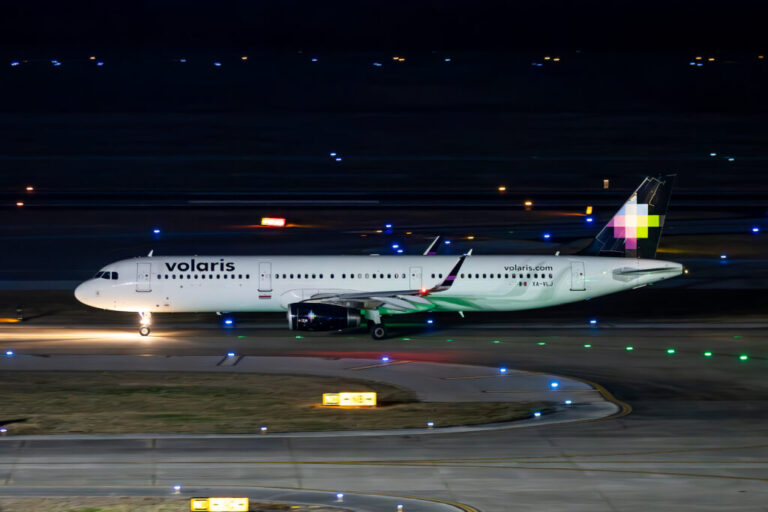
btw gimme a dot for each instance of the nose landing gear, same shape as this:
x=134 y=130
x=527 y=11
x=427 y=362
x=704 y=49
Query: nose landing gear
x=145 y=318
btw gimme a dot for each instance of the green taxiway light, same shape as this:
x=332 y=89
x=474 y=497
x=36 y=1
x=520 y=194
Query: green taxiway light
x=299 y=337
x=496 y=341
x=587 y=345
x=707 y=354
x=542 y=343
x=406 y=339
x=670 y=351
x=743 y=357
x=447 y=341
x=629 y=347
x=241 y=336
x=737 y=337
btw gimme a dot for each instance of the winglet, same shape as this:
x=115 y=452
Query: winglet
x=429 y=251
x=150 y=253
x=451 y=277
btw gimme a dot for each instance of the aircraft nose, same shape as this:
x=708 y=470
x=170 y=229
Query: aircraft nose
x=81 y=292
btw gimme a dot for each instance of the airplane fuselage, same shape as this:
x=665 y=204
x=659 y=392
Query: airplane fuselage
x=174 y=284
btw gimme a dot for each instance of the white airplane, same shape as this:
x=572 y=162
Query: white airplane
x=324 y=293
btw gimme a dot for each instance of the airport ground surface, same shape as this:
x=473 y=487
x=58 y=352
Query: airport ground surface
x=695 y=440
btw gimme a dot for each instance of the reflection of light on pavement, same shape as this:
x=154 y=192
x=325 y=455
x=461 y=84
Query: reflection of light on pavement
x=70 y=334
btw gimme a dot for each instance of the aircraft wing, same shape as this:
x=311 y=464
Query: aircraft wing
x=395 y=300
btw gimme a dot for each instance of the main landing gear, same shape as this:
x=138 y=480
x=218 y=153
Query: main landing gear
x=378 y=331
x=375 y=325
x=145 y=318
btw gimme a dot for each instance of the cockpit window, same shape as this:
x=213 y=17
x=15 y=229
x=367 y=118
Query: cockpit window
x=98 y=275
x=114 y=275
x=105 y=275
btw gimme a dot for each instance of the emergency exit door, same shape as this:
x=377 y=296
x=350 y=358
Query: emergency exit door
x=578 y=283
x=415 y=283
x=143 y=277
x=265 y=277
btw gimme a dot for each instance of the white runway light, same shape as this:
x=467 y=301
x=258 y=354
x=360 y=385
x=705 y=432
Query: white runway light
x=263 y=429
x=554 y=384
x=9 y=353
x=537 y=414
x=339 y=496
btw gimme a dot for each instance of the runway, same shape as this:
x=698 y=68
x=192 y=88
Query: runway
x=695 y=440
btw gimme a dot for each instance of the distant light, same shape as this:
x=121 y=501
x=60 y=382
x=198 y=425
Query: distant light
x=230 y=354
x=547 y=236
x=593 y=321
x=723 y=256
x=528 y=204
x=92 y=57
x=217 y=64
x=332 y=153
x=156 y=231
x=15 y=63
x=691 y=63
x=100 y=63
x=587 y=345
x=399 y=251
x=430 y=321
x=338 y=159
x=606 y=184
x=713 y=154
x=629 y=348
x=743 y=357
x=589 y=210
x=537 y=414
x=502 y=188
x=568 y=402
x=340 y=496
x=731 y=159
x=502 y=370
x=447 y=242
x=395 y=246
x=547 y=58
x=182 y=60
x=430 y=424
x=447 y=59
x=755 y=229
x=470 y=237
x=556 y=59
x=384 y=359
x=711 y=59
x=699 y=64
x=244 y=57
x=275 y=222
x=3 y=430
x=590 y=219
x=228 y=321
x=671 y=351
x=9 y=353
x=177 y=488
x=263 y=429
x=388 y=226
x=554 y=384
x=56 y=63
x=698 y=58
x=314 y=59
x=377 y=64
x=541 y=343
x=19 y=203
x=707 y=354
x=29 y=188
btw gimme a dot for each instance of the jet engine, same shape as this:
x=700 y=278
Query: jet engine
x=308 y=316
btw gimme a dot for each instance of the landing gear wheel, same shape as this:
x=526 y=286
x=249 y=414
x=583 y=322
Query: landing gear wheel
x=144 y=331
x=379 y=331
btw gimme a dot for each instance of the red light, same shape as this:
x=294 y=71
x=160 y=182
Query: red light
x=275 y=222
x=424 y=291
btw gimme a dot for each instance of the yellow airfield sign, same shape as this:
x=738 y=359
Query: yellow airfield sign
x=219 y=505
x=350 y=399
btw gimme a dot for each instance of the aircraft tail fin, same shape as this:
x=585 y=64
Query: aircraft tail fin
x=635 y=230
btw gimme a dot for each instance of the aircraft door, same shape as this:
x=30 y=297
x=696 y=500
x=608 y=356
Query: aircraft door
x=415 y=283
x=265 y=277
x=143 y=277
x=578 y=283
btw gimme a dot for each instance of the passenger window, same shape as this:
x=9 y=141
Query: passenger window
x=321 y=276
x=331 y=276
x=550 y=276
x=225 y=276
x=484 y=276
x=202 y=276
x=173 y=276
x=343 y=276
x=277 y=276
x=477 y=276
x=360 y=276
x=313 y=276
x=351 y=276
x=367 y=276
x=218 y=276
x=433 y=275
x=247 y=276
x=196 y=276
x=506 y=276
x=528 y=276
x=374 y=276
x=535 y=276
